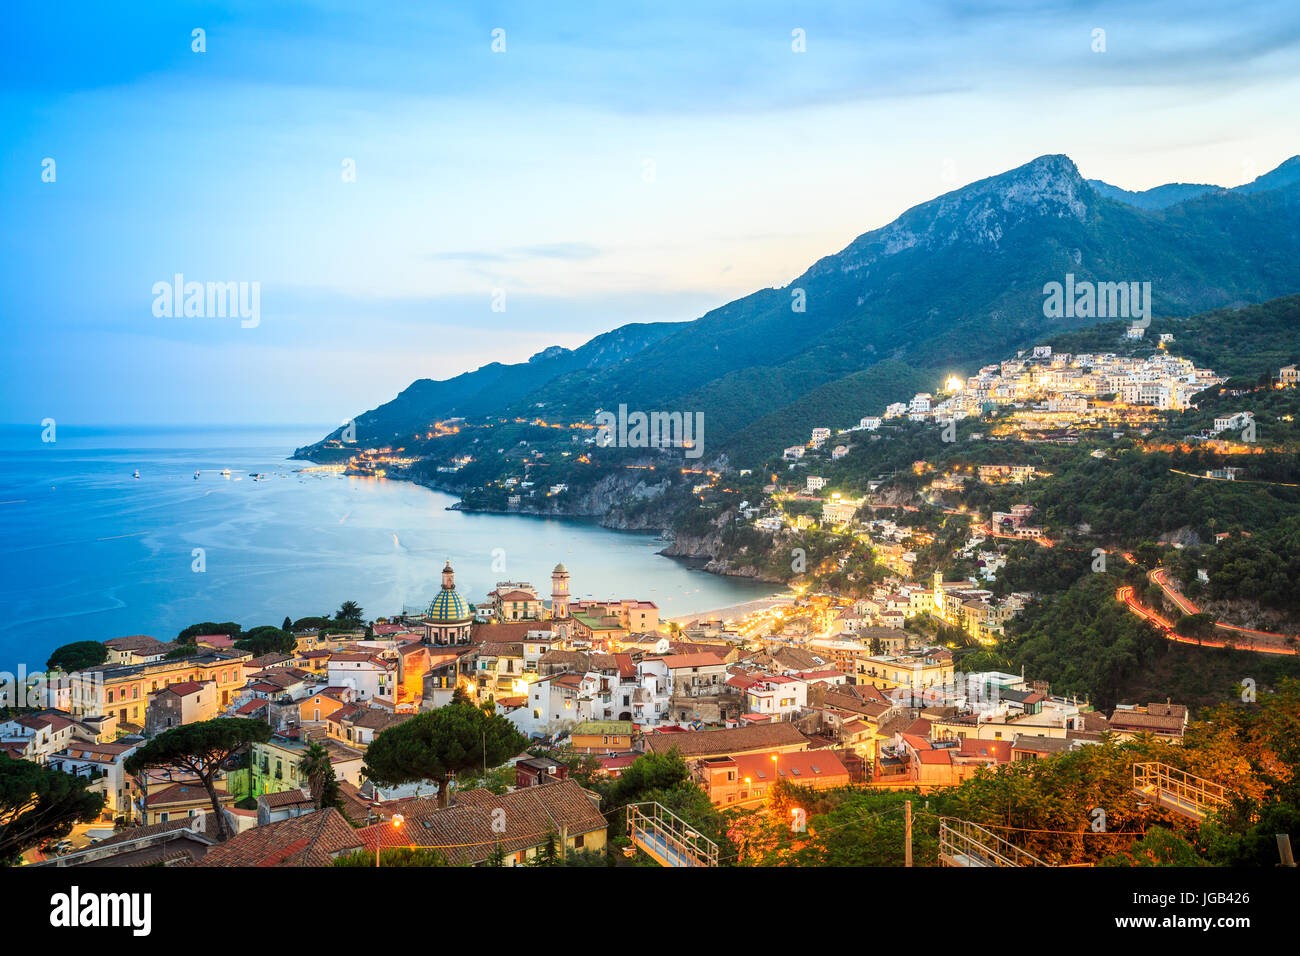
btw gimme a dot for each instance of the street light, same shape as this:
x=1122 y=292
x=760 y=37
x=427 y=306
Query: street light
x=398 y=820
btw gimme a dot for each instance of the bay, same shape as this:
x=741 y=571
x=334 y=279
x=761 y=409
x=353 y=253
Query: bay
x=89 y=552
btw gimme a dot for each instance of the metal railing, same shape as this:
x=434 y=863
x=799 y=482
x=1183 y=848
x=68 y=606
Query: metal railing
x=962 y=843
x=668 y=838
x=1179 y=790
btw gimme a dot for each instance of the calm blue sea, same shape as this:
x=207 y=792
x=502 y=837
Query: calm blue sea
x=89 y=552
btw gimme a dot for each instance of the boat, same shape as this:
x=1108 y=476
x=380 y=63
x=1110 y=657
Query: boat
x=225 y=472
x=137 y=473
x=196 y=476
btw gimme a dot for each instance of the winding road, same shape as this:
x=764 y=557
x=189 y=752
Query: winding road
x=1242 y=638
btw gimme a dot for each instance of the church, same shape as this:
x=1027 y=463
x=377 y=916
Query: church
x=448 y=620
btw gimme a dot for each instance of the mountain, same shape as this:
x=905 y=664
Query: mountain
x=493 y=388
x=1160 y=197
x=950 y=285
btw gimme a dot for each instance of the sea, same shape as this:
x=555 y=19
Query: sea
x=111 y=531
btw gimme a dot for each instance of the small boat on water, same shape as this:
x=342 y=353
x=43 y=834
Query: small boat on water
x=196 y=476
x=137 y=473
x=225 y=472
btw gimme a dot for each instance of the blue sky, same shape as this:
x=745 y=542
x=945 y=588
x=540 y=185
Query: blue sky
x=527 y=171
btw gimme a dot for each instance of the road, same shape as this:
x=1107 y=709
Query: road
x=1275 y=643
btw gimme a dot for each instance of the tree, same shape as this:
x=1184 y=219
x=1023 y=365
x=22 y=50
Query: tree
x=318 y=770
x=548 y=854
x=267 y=639
x=39 y=804
x=77 y=656
x=654 y=771
x=440 y=744
x=202 y=749
x=1159 y=847
x=288 y=623
x=349 y=611
x=229 y=628
x=396 y=856
x=1199 y=626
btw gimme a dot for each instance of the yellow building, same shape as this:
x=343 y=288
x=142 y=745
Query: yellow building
x=124 y=690
x=601 y=736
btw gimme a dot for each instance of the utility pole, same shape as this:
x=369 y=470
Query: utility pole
x=907 y=832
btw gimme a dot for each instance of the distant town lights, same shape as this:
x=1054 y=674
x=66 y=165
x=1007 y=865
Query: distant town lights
x=953 y=384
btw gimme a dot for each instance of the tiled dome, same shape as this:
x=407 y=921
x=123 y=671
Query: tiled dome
x=448 y=607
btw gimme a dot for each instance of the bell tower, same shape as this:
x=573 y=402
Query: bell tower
x=560 y=593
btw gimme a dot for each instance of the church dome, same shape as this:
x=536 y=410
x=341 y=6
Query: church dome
x=448 y=607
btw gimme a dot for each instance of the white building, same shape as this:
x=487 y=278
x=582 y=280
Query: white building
x=368 y=676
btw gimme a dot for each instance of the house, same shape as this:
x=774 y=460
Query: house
x=137 y=649
x=220 y=642
x=1026 y=747
x=601 y=736
x=695 y=675
x=556 y=704
x=39 y=735
x=359 y=725
x=499 y=669
x=781 y=737
x=103 y=762
x=274 y=807
x=367 y=674
x=310 y=839
x=513 y=601
x=124 y=689
x=319 y=705
x=180 y=801
x=535 y=771
x=775 y=697
x=741 y=778
x=182 y=703
x=173 y=843
x=274 y=763
x=1166 y=721
x=520 y=822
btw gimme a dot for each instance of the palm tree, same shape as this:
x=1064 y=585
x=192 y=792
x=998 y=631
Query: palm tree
x=349 y=611
x=317 y=769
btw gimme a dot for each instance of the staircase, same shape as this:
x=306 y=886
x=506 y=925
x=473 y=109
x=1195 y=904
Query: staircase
x=962 y=843
x=667 y=838
x=1183 y=793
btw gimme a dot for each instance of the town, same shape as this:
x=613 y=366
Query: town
x=806 y=692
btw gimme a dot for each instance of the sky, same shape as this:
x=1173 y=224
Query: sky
x=412 y=202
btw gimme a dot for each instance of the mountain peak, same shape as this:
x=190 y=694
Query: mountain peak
x=979 y=214
x=548 y=353
x=1285 y=174
x=1050 y=164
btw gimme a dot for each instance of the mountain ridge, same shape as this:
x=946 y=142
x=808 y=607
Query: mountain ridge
x=954 y=280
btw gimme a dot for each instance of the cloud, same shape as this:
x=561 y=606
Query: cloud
x=570 y=251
